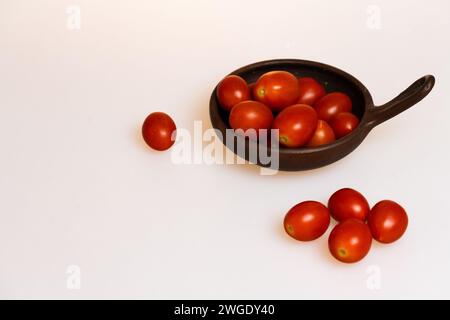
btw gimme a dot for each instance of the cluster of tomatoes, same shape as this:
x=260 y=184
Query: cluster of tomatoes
x=299 y=108
x=305 y=115
x=351 y=239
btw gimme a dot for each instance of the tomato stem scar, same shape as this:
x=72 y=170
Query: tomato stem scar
x=283 y=139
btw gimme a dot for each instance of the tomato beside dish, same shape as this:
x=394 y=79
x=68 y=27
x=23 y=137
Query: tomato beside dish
x=387 y=221
x=159 y=131
x=350 y=241
x=307 y=220
x=347 y=204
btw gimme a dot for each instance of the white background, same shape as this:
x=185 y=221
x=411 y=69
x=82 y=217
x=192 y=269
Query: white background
x=79 y=187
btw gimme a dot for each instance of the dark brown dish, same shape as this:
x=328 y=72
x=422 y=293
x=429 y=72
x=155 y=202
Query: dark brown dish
x=305 y=158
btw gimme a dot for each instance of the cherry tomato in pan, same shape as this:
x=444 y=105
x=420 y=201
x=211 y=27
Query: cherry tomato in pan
x=277 y=90
x=232 y=90
x=310 y=91
x=307 y=220
x=250 y=115
x=350 y=241
x=348 y=204
x=157 y=131
x=323 y=135
x=332 y=104
x=387 y=221
x=296 y=125
x=344 y=123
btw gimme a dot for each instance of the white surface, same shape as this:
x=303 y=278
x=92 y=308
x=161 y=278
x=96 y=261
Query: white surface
x=79 y=187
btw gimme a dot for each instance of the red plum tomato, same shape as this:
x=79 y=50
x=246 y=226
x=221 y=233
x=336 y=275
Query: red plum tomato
x=344 y=123
x=277 y=90
x=307 y=220
x=348 y=204
x=232 y=90
x=324 y=134
x=332 y=104
x=350 y=241
x=309 y=91
x=250 y=115
x=387 y=221
x=296 y=125
x=157 y=131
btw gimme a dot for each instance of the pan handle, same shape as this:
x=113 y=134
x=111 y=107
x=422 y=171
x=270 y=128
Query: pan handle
x=409 y=97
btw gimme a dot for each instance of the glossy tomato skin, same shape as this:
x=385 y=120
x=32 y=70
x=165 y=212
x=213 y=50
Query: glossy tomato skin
x=344 y=123
x=232 y=90
x=307 y=221
x=296 y=125
x=347 y=204
x=157 y=131
x=324 y=134
x=310 y=91
x=387 y=221
x=277 y=90
x=250 y=115
x=332 y=104
x=350 y=241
